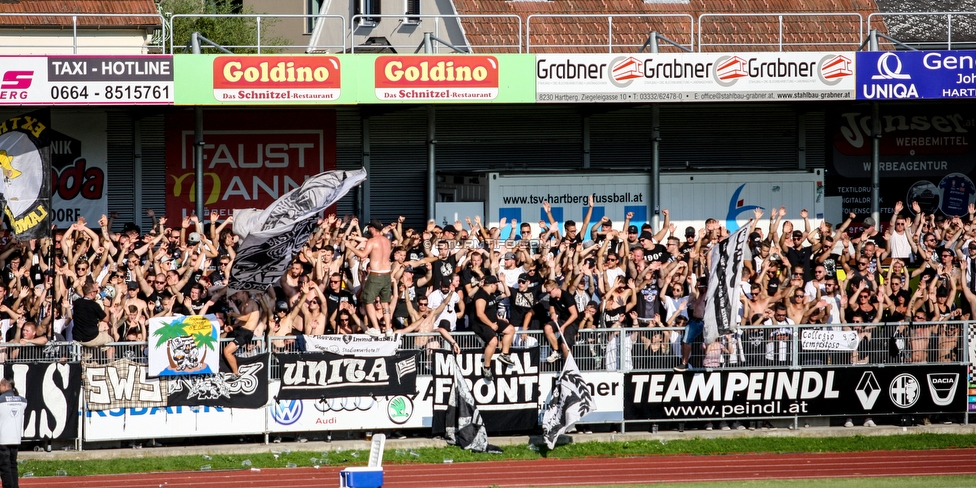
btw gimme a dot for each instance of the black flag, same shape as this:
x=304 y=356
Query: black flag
x=25 y=163
x=571 y=401
x=464 y=426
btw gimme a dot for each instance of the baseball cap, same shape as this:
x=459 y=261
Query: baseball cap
x=408 y=269
x=281 y=306
x=450 y=228
x=689 y=231
x=797 y=233
x=193 y=238
x=632 y=229
x=132 y=285
x=491 y=279
x=869 y=222
x=510 y=255
x=130 y=227
x=646 y=235
x=524 y=277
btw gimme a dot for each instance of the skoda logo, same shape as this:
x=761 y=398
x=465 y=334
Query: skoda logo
x=400 y=409
x=348 y=404
x=904 y=390
x=286 y=412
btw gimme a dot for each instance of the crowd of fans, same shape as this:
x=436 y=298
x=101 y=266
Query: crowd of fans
x=901 y=289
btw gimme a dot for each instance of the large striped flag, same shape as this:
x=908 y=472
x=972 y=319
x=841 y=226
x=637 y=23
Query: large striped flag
x=463 y=424
x=271 y=237
x=724 y=273
x=25 y=163
x=571 y=400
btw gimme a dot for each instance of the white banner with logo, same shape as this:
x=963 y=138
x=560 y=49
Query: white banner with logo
x=168 y=422
x=353 y=413
x=606 y=393
x=360 y=345
x=694 y=77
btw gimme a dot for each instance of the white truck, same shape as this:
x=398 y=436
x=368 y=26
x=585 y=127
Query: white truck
x=690 y=197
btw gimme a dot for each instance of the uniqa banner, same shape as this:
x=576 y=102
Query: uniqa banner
x=183 y=345
x=326 y=375
x=52 y=398
x=25 y=163
x=123 y=383
x=223 y=389
x=510 y=402
x=892 y=390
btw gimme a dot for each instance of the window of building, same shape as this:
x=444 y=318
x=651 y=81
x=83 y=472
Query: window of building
x=367 y=8
x=411 y=10
x=312 y=8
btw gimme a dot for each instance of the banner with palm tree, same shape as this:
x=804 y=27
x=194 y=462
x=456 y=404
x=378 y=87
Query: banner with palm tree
x=183 y=345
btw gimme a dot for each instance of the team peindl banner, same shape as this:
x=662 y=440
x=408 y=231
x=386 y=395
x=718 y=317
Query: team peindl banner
x=694 y=77
x=510 y=402
x=86 y=80
x=325 y=375
x=892 y=390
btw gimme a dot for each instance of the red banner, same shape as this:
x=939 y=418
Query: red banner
x=250 y=157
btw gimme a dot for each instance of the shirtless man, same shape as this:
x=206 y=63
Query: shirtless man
x=291 y=282
x=696 y=324
x=378 y=283
x=246 y=315
x=312 y=309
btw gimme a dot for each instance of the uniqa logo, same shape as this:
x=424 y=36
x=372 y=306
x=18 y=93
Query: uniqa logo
x=286 y=412
x=400 y=409
x=885 y=71
x=624 y=70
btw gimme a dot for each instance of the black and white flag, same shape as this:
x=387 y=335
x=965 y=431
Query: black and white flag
x=724 y=273
x=25 y=164
x=271 y=237
x=463 y=424
x=571 y=401
x=248 y=390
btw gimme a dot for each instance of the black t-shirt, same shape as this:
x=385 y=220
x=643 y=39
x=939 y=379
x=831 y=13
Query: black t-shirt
x=491 y=306
x=657 y=253
x=87 y=314
x=563 y=305
x=443 y=268
x=801 y=257
x=520 y=304
x=333 y=299
x=416 y=254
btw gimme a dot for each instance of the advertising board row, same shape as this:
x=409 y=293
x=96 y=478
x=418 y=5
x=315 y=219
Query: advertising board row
x=504 y=78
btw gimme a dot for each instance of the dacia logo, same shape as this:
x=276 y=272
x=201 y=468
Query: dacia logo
x=286 y=412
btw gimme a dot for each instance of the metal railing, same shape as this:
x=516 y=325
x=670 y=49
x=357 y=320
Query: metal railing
x=84 y=38
x=262 y=24
x=405 y=37
x=52 y=352
x=719 y=25
x=926 y=30
x=637 y=27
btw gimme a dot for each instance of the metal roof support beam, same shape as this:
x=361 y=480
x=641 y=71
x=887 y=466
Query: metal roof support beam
x=428 y=45
x=653 y=44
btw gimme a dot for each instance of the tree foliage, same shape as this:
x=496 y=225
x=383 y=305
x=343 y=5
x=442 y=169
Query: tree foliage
x=228 y=28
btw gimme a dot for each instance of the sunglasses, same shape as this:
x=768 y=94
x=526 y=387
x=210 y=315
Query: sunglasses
x=422 y=304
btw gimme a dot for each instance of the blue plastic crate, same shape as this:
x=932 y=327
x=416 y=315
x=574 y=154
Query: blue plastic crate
x=361 y=477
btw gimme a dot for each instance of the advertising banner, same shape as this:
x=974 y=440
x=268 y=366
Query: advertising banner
x=892 y=390
x=183 y=345
x=444 y=78
x=259 y=79
x=171 y=422
x=123 y=383
x=326 y=375
x=248 y=390
x=828 y=340
x=694 y=77
x=86 y=80
x=251 y=157
x=910 y=75
x=510 y=402
x=927 y=156
x=364 y=413
x=606 y=394
x=52 y=392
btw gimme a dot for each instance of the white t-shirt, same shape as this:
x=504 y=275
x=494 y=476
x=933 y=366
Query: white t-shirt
x=449 y=314
x=900 y=247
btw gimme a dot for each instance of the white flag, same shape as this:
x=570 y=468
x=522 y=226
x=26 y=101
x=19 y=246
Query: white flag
x=570 y=401
x=724 y=273
x=462 y=421
x=271 y=237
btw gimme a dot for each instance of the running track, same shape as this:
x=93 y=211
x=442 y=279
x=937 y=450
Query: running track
x=568 y=472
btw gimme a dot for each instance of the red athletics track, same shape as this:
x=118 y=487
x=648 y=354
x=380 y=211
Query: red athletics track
x=568 y=472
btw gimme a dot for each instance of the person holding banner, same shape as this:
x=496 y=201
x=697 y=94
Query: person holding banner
x=489 y=326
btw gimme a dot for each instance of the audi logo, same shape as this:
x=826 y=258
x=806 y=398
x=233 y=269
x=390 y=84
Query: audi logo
x=349 y=404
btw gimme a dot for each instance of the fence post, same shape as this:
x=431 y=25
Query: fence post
x=795 y=354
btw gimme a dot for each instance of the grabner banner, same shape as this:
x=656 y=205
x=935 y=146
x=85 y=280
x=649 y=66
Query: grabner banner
x=360 y=345
x=325 y=375
x=52 y=398
x=508 y=403
x=694 y=77
x=891 y=390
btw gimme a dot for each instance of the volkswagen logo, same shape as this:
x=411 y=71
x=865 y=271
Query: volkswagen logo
x=286 y=412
